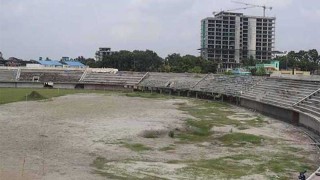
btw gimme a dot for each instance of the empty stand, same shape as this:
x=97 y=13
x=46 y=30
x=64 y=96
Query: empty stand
x=228 y=85
x=172 y=80
x=54 y=75
x=311 y=104
x=8 y=74
x=281 y=92
x=119 y=78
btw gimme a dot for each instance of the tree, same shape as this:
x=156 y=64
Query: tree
x=261 y=71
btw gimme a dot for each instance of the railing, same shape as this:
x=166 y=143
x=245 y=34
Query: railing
x=316 y=91
x=83 y=75
x=201 y=80
x=18 y=74
x=144 y=76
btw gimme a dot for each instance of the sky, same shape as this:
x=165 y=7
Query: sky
x=54 y=28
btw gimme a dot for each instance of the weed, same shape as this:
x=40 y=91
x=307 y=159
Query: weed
x=168 y=148
x=240 y=138
x=137 y=147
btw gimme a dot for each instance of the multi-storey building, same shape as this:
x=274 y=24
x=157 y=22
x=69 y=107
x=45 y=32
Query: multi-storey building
x=102 y=52
x=228 y=38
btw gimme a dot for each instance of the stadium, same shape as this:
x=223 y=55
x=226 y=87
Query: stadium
x=103 y=123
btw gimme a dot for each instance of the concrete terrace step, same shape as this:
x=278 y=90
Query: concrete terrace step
x=304 y=109
x=311 y=107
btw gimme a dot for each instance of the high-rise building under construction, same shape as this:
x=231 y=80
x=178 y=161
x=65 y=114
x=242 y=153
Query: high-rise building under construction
x=228 y=38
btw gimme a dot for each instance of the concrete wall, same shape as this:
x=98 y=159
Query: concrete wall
x=252 y=37
x=8 y=84
x=21 y=85
x=273 y=111
x=64 y=85
x=237 y=40
x=287 y=115
x=309 y=123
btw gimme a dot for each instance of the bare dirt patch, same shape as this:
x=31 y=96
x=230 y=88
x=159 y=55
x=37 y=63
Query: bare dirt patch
x=94 y=136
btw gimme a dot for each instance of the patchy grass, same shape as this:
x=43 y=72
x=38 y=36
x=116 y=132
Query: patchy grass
x=109 y=175
x=149 y=95
x=240 y=138
x=99 y=162
x=168 y=148
x=258 y=122
x=197 y=130
x=240 y=165
x=137 y=147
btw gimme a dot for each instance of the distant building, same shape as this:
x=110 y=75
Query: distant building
x=73 y=64
x=102 y=52
x=273 y=66
x=279 y=54
x=240 y=71
x=49 y=63
x=228 y=38
x=63 y=59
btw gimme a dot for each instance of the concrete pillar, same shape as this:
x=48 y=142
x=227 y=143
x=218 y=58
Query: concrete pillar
x=178 y=93
x=160 y=91
x=197 y=95
x=188 y=93
x=170 y=92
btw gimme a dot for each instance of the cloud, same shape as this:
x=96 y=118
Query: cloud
x=33 y=28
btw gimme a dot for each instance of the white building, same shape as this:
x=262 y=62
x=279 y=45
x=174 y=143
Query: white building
x=229 y=38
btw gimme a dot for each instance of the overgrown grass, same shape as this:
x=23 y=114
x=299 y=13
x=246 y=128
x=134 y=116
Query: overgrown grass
x=137 y=147
x=237 y=166
x=209 y=114
x=9 y=95
x=240 y=138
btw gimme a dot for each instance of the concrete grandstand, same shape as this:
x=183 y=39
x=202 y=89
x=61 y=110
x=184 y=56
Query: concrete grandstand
x=293 y=100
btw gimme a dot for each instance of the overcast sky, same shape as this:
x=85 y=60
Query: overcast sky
x=56 y=28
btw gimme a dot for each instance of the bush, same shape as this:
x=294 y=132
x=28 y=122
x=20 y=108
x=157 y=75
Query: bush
x=228 y=73
x=34 y=95
x=261 y=71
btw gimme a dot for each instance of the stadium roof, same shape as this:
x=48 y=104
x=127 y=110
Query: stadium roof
x=50 y=63
x=74 y=63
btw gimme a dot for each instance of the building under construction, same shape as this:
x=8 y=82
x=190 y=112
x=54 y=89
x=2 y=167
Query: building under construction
x=228 y=38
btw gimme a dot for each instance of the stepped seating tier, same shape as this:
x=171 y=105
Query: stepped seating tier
x=47 y=75
x=120 y=78
x=8 y=74
x=229 y=85
x=172 y=80
x=310 y=105
x=281 y=92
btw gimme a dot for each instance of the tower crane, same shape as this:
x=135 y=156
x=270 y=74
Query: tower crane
x=236 y=9
x=254 y=5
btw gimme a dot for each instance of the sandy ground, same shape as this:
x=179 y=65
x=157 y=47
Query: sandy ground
x=60 y=138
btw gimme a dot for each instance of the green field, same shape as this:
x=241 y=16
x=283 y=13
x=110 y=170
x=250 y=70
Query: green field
x=9 y=95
